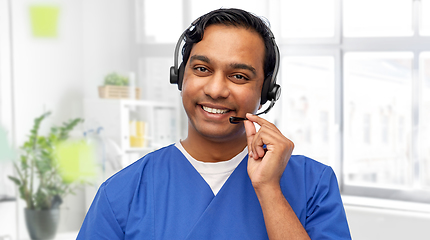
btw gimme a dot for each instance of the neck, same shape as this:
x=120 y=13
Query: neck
x=213 y=150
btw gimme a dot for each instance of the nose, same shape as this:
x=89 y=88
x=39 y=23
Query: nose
x=217 y=86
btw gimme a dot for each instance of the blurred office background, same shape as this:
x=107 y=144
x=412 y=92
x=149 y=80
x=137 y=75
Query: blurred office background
x=355 y=77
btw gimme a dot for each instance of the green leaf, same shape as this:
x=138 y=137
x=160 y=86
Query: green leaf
x=15 y=180
x=116 y=80
x=67 y=127
x=38 y=167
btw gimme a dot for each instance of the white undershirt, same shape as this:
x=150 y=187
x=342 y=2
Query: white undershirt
x=214 y=173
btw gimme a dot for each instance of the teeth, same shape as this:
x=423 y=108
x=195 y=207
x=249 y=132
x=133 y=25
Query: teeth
x=214 y=110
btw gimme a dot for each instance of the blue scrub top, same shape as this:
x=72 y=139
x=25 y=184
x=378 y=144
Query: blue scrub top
x=162 y=196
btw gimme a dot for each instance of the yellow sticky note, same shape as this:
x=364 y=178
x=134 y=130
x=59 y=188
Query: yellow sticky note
x=76 y=160
x=44 y=20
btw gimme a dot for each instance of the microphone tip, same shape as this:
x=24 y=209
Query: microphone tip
x=236 y=120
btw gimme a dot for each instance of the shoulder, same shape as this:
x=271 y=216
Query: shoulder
x=306 y=165
x=135 y=171
x=312 y=190
x=312 y=172
x=321 y=213
x=123 y=184
x=303 y=177
x=121 y=190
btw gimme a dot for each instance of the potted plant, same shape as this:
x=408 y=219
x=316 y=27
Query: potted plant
x=118 y=86
x=39 y=179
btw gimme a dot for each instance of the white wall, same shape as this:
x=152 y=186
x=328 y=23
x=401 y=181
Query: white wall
x=375 y=219
x=107 y=33
x=48 y=72
x=56 y=74
x=8 y=219
x=48 y=76
x=375 y=224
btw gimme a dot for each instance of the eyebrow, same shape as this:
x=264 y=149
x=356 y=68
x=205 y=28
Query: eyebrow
x=232 y=65
x=244 y=66
x=201 y=58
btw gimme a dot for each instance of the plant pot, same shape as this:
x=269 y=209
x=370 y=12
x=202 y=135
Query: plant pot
x=117 y=92
x=42 y=224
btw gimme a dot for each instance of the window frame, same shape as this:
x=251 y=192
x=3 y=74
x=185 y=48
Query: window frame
x=336 y=46
x=415 y=44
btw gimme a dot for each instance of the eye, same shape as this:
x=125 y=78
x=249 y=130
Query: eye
x=239 y=77
x=201 y=69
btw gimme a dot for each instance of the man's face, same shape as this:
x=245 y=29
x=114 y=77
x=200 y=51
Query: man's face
x=223 y=77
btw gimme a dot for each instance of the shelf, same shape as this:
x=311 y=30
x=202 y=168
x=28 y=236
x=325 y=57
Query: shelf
x=7 y=198
x=135 y=149
x=137 y=103
x=63 y=236
x=146 y=103
x=161 y=123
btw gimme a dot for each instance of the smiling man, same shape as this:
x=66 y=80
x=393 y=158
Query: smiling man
x=224 y=181
x=223 y=78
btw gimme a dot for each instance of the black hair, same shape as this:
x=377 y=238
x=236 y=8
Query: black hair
x=232 y=17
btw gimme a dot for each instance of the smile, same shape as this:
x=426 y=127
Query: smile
x=214 y=110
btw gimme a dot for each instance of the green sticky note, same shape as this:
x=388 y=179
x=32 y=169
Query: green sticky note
x=44 y=21
x=76 y=161
x=6 y=152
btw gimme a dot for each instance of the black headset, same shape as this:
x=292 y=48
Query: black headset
x=270 y=91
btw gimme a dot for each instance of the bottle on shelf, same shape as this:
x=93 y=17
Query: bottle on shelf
x=137 y=131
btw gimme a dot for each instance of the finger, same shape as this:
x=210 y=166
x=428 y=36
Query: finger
x=262 y=122
x=250 y=133
x=264 y=140
x=256 y=142
x=258 y=146
x=268 y=134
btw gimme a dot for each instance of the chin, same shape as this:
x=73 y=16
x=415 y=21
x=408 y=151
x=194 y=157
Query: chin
x=220 y=133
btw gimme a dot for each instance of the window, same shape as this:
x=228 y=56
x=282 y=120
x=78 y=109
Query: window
x=152 y=26
x=377 y=119
x=255 y=6
x=368 y=18
x=424 y=119
x=355 y=78
x=308 y=19
x=425 y=18
x=308 y=105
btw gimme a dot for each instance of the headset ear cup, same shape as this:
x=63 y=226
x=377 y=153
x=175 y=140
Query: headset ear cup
x=173 y=76
x=180 y=75
x=274 y=93
x=176 y=78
